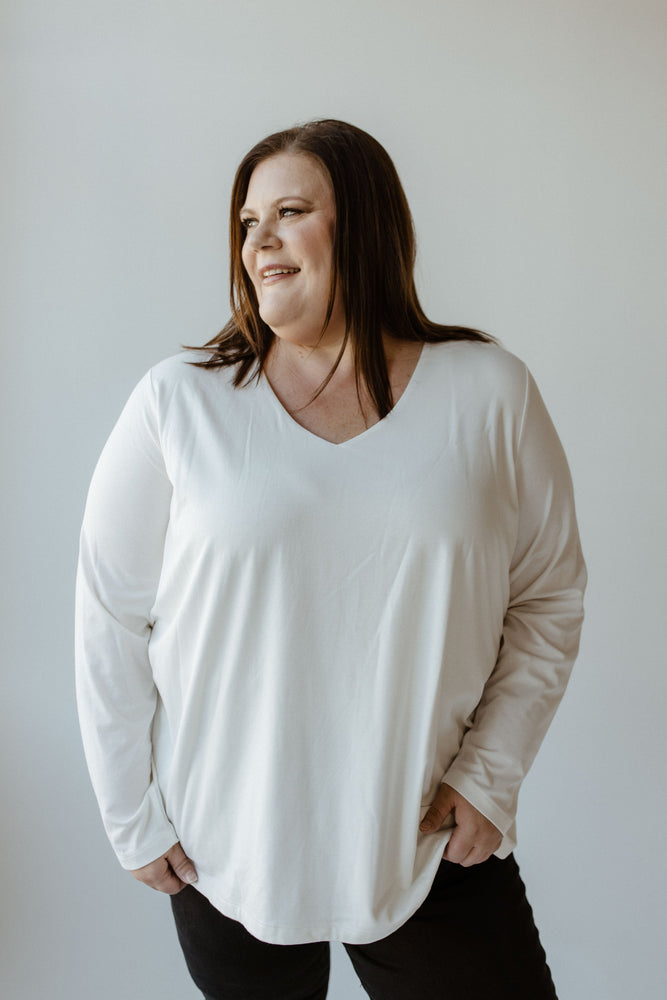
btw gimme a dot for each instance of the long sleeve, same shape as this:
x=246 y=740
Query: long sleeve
x=541 y=629
x=121 y=551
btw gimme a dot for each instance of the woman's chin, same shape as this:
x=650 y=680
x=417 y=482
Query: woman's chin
x=294 y=333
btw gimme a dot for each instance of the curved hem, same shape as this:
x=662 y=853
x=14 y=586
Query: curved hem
x=345 y=931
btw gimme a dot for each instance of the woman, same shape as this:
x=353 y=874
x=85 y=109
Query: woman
x=330 y=592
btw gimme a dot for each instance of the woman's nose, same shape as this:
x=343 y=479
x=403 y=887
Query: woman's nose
x=262 y=235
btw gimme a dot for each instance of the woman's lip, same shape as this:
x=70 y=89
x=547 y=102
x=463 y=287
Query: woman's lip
x=276 y=267
x=271 y=279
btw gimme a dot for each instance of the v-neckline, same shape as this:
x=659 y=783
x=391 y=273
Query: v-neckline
x=289 y=420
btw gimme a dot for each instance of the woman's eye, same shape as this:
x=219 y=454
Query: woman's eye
x=249 y=223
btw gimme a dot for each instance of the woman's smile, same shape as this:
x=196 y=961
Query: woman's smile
x=275 y=272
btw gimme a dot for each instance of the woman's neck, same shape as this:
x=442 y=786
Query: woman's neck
x=312 y=364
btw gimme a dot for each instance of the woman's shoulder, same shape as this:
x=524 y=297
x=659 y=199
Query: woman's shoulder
x=179 y=386
x=186 y=366
x=480 y=366
x=183 y=373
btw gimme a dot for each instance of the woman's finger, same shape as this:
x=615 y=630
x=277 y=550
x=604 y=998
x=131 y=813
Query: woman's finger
x=181 y=864
x=169 y=873
x=439 y=810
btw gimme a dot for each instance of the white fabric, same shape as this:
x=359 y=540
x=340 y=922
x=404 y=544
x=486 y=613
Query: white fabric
x=284 y=645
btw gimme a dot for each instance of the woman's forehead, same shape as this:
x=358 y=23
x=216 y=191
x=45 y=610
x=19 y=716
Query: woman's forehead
x=301 y=171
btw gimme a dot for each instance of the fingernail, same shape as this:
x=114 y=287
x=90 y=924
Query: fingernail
x=190 y=877
x=426 y=825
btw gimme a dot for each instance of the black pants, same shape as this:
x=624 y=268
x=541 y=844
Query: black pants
x=473 y=938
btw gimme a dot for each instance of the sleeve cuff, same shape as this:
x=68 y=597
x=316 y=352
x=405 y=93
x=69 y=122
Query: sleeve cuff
x=470 y=791
x=151 y=851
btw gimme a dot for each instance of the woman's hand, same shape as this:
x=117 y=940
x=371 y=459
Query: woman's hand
x=474 y=838
x=170 y=873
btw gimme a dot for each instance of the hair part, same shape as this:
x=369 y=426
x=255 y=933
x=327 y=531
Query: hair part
x=374 y=256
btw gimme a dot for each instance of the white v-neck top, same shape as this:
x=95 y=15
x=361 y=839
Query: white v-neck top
x=284 y=645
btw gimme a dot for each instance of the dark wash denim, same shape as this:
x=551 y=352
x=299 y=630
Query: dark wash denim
x=473 y=938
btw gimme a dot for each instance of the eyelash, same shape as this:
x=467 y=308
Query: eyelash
x=247 y=223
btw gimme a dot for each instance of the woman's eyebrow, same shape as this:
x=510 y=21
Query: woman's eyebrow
x=278 y=201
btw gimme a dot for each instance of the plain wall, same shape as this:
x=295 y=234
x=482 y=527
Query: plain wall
x=530 y=142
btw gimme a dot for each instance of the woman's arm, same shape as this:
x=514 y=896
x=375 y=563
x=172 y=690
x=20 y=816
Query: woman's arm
x=120 y=559
x=540 y=636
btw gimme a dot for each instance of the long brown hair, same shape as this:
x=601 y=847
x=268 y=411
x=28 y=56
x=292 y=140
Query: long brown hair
x=373 y=256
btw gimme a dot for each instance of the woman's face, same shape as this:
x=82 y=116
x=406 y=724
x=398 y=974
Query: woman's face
x=289 y=217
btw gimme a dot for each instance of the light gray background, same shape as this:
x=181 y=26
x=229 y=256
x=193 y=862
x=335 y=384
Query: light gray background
x=530 y=137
